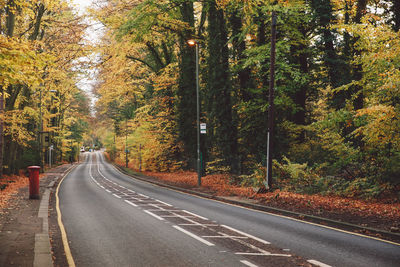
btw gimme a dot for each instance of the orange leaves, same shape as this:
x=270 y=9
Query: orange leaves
x=219 y=184
x=9 y=185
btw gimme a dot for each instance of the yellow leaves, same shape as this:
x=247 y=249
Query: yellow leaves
x=382 y=126
x=19 y=64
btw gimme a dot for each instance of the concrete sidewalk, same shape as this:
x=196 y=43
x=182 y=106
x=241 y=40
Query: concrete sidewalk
x=24 y=227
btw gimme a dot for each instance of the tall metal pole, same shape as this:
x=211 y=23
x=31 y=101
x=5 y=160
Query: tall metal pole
x=198 y=116
x=40 y=132
x=271 y=103
x=1 y=130
x=126 y=143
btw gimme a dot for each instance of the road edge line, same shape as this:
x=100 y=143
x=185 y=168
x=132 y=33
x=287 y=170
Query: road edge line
x=67 y=250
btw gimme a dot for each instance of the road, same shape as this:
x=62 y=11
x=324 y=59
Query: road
x=114 y=220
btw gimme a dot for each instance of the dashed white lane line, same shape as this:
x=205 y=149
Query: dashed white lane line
x=108 y=191
x=193 y=236
x=116 y=196
x=318 y=263
x=130 y=203
x=248 y=263
x=154 y=215
x=248 y=235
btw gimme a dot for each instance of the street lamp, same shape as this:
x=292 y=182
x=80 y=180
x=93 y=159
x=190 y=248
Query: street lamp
x=195 y=43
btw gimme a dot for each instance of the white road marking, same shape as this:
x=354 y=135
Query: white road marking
x=197 y=224
x=248 y=263
x=130 y=203
x=223 y=236
x=166 y=204
x=262 y=254
x=108 y=191
x=154 y=215
x=245 y=234
x=198 y=216
x=194 y=236
x=318 y=263
x=143 y=195
x=116 y=196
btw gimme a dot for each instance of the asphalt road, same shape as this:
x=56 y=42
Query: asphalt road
x=114 y=220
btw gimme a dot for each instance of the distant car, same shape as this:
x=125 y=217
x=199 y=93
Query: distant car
x=83 y=149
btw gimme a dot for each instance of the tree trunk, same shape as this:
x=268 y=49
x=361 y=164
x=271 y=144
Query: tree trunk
x=186 y=104
x=396 y=14
x=219 y=89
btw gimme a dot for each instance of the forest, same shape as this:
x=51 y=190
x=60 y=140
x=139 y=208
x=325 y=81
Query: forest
x=337 y=81
x=336 y=89
x=41 y=108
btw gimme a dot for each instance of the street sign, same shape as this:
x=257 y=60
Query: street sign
x=203 y=128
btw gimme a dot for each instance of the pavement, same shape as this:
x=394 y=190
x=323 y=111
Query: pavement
x=24 y=225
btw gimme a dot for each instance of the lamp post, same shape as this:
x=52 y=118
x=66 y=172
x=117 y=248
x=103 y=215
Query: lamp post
x=40 y=132
x=195 y=43
x=268 y=182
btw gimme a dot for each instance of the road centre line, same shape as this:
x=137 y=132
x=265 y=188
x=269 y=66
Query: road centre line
x=154 y=215
x=194 y=236
x=245 y=234
x=248 y=263
x=318 y=263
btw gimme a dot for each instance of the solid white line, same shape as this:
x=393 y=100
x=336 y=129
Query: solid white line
x=262 y=254
x=198 y=216
x=130 y=203
x=202 y=225
x=194 y=236
x=154 y=215
x=166 y=204
x=318 y=263
x=245 y=234
x=224 y=236
x=116 y=196
x=248 y=263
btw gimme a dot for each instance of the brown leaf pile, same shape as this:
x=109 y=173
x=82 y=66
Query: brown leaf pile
x=12 y=184
x=220 y=185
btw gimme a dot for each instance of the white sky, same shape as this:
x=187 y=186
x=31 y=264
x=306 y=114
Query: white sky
x=93 y=34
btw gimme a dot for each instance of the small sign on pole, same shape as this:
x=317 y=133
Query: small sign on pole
x=203 y=128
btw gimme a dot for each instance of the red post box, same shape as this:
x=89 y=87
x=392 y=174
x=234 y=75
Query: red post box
x=34 y=182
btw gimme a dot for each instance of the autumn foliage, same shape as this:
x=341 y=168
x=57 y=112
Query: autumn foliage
x=336 y=94
x=9 y=185
x=377 y=213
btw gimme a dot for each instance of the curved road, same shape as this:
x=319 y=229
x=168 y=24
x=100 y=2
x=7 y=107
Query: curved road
x=114 y=220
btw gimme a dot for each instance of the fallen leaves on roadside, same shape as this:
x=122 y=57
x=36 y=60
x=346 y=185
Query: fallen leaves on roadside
x=10 y=185
x=219 y=183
